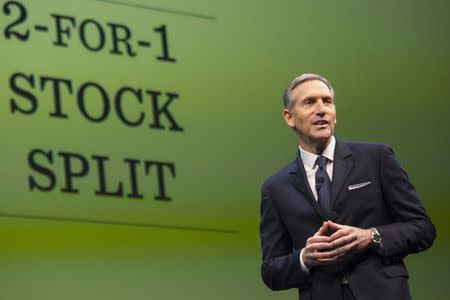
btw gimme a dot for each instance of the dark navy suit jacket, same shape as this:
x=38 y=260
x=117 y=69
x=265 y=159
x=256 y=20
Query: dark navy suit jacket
x=290 y=215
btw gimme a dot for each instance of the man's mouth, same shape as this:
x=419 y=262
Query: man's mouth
x=320 y=122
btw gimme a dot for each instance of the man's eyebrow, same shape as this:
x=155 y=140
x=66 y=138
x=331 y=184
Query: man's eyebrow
x=315 y=97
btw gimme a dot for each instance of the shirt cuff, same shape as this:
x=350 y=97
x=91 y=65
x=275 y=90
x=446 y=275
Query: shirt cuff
x=305 y=269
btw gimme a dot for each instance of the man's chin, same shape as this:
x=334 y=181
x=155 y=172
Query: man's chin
x=323 y=137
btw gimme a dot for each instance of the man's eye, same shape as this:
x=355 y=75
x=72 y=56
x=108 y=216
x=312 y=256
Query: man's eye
x=307 y=101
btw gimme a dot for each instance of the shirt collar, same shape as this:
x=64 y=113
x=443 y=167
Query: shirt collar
x=309 y=159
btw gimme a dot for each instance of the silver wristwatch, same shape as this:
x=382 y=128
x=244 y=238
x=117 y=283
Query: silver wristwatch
x=376 y=236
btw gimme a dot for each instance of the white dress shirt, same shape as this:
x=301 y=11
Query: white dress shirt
x=309 y=162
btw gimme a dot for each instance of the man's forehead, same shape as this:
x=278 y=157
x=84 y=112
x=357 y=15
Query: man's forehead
x=311 y=88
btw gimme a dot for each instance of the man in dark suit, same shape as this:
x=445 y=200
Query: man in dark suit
x=337 y=221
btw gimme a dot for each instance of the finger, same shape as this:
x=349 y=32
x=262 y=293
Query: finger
x=318 y=247
x=334 y=226
x=340 y=233
x=322 y=230
x=314 y=261
x=318 y=239
x=343 y=240
x=326 y=261
x=345 y=249
x=319 y=255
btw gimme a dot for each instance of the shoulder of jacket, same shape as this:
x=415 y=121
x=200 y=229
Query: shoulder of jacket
x=282 y=174
x=356 y=146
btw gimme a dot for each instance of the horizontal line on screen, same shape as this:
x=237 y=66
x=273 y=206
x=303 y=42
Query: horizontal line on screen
x=119 y=223
x=160 y=9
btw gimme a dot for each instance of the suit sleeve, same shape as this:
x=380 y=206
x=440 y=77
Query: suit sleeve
x=411 y=230
x=281 y=267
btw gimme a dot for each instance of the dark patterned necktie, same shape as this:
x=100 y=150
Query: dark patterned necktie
x=323 y=184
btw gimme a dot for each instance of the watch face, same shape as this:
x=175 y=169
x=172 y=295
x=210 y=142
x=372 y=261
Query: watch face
x=376 y=237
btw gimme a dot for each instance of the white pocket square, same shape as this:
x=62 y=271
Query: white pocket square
x=358 y=185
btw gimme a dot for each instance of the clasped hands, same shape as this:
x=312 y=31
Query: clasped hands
x=325 y=249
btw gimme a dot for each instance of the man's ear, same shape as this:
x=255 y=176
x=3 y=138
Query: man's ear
x=288 y=118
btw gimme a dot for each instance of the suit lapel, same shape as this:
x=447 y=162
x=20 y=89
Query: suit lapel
x=301 y=184
x=342 y=165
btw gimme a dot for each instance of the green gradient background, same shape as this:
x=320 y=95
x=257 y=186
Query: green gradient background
x=388 y=62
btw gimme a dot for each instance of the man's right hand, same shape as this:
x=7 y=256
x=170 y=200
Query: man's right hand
x=315 y=252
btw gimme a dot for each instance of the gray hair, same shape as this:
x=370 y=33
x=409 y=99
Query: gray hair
x=287 y=97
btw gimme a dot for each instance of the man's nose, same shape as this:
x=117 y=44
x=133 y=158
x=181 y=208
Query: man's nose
x=320 y=107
